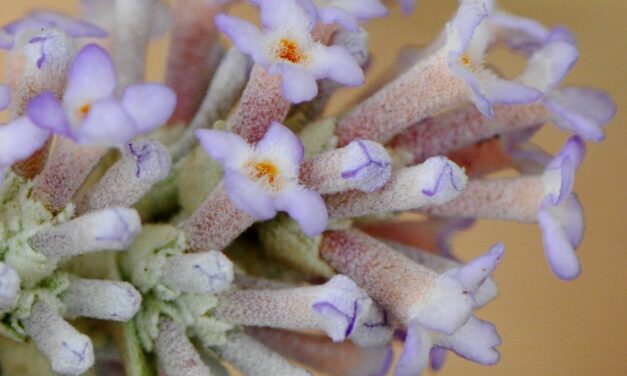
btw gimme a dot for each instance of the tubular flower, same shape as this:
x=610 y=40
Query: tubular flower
x=91 y=114
x=287 y=48
x=263 y=179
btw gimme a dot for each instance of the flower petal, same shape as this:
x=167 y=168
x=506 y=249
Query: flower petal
x=559 y=225
x=248 y=196
x=245 y=36
x=107 y=123
x=338 y=64
x=225 y=147
x=581 y=110
x=305 y=207
x=19 y=140
x=549 y=65
x=297 y=84
x=287 y=14
x=281 y=142
x=150 y=105
x=415 y=352
x=71 y=26
x=48 y=113
x=91 y=77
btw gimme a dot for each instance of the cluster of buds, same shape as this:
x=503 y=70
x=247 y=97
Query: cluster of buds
x=251 y=228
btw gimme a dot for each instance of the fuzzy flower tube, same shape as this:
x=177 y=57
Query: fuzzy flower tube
x=255 y=230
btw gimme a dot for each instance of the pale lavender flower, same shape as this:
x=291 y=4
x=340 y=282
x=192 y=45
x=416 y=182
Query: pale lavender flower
x=263 y=179
x=467 y=39
x=287 y=48
x=91 y=114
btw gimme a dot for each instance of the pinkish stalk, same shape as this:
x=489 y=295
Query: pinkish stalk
x=177 y=355
x=427 y=89
x=194 y=54
x=133 y=25
x=66 y=170
x=463 y=127
x=337 y=359
x=216 y=223
x=261 y=104
x=412 y=292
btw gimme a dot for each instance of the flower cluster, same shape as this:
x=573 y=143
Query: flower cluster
x=249 y=227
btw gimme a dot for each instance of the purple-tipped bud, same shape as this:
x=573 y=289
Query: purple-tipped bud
x=200 y=273
x=434 y=182
x=342 y=305
x=99 y=299
x=112 y=229
x=9 y=287
x=142 y=164
x=370 y=166
x=362 y=165
x=70 y=352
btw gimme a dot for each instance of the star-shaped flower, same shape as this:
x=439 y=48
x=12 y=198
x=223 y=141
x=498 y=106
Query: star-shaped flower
x=263 y=179
x=287 y=48
x=90 y=113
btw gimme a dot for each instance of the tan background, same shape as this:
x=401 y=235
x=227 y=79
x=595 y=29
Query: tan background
x=548 y=327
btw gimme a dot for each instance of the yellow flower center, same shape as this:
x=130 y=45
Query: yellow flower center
x=465 y=60
x=265 y=171
x=288 y=50
x=83 y=111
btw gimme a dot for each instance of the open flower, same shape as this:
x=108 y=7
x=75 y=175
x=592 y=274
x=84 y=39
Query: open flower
x=263 y=179
x=90 y=112
x=466 y=41
x=287 y=48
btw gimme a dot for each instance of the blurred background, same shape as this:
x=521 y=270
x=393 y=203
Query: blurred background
x=548 y=327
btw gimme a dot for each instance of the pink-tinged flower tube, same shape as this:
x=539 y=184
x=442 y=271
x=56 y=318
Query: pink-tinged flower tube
x=263 y=179
x=44 y=20
x=337 y=308
x=450 y=77
x=287 y=48
x=176 y=353
x=91 y=114
x=142 y=164
x=476 y=340
x=363 y=165
x=252 y=358
x=413 y=293
x=546 y=199
x=337 y=359
x=194 y=41
x=485 y=292
x=431 y=235
x=466 y=125
x=434 y=182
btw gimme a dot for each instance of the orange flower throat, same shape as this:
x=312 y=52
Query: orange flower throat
x=288 y=50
